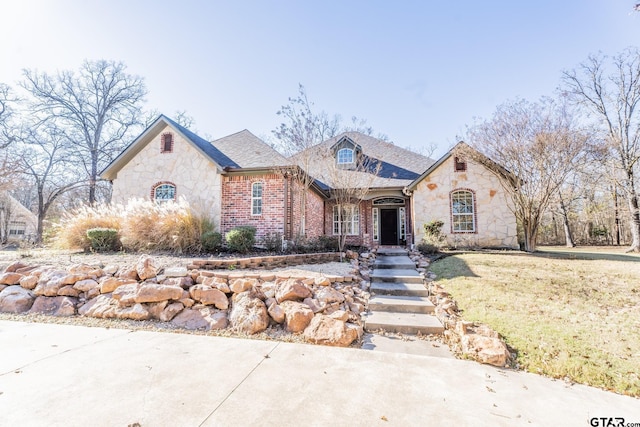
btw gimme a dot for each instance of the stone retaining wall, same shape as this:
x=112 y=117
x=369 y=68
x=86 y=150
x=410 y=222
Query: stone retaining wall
x=265 y=262
x=324 y=309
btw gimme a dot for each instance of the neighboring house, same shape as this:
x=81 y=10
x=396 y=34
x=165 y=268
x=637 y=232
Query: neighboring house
x=240 y=180
x=16 y=221
x=468 y=198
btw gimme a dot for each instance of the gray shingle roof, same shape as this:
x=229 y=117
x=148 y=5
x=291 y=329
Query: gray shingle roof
x=210 y=150
x=249 y=151
x=399 y=166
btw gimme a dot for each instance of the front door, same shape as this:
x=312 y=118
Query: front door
x=389 y=226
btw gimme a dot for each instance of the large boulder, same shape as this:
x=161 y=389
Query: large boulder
x=489 y=350
x=204 y=318
x=328 y=295
x=86 y=285
x=242 y=285
x=209 y=296
x=146 y=267
x=125 y=295
x=50 y=282
x=103 y=306
x=15 y=266
x=276 y=312
x=329 y=331
x=135 y=312
x=29 y=282
x=171 y=311
x=16 y=299
x=153 y=292
x=218 y=283
x=10 y=278
x=248 y=314
x=292 y=290
x=54 y=306
x=297 y=315
x=110 y=284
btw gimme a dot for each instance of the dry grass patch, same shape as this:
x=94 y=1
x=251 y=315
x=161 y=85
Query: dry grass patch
x=567 y=318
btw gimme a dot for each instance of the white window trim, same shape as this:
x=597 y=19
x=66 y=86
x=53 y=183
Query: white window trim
x=164 y=199
x=256 y=208
x=402 y=218
x=461 y=214
x=376 y=224
x=352 y=226
x=341 y=161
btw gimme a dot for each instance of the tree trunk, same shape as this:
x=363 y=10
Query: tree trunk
x=634 y=214
x=617 y=215
x=565 y=222
x=530 y=236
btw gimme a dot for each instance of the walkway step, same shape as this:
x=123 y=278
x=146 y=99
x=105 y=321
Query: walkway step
x=397 y=288
x=401 y=304
x=391 y=251
x=405 y=323
x=396 y=275
x=394 y=262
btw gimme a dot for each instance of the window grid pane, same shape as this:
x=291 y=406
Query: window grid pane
x=376 y=226
x=345 y=155
x=165 y=192
x=463 y=217
x=256 y=198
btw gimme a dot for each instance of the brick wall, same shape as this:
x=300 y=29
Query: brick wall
x=236 y=204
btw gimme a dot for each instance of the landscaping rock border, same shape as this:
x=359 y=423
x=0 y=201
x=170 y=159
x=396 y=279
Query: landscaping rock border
x=472 y=340
x=196 y=299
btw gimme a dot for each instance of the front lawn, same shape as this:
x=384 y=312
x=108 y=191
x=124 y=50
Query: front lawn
x=568 y=314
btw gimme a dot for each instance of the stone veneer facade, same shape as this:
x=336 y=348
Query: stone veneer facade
x=195 y=176
x=495 y=224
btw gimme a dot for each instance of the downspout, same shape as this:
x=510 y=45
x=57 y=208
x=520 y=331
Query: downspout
x=286 y=208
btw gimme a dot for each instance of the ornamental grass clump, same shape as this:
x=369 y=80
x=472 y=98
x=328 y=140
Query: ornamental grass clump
x=142 y=226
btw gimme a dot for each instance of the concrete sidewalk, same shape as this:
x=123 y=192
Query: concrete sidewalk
x=59 y=375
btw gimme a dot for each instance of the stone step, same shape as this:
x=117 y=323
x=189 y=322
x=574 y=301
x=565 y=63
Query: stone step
x=401 y=304
x=405 y=323
x=394 y=262
x=396 y=275
x=398 y=288
x=391 y=251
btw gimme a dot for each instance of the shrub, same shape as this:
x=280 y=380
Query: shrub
x=272 y=242
x=433 y=239
x=426 y=248
x=325 y=244
x=72 y=230
x=103 y=239
x=143 y=226
x=211 y=241
x=241 y=239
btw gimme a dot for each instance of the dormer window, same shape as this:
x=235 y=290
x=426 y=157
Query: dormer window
x=166 y=143
x=460 y=165
x=345 y=156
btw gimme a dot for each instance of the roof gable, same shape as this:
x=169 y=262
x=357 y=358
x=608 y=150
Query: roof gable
x=220 y=159
x=398 y=166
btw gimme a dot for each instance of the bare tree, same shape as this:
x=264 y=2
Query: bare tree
x=612 y=98
x=46 y=162
x=531 y=148
x=6 y=214
x=349 y=188
x=96 y=107
x=301 y=129
x=7 y=134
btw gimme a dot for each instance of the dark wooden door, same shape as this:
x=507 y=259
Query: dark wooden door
x=388 y=226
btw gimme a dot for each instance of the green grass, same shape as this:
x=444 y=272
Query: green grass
x=575 y=317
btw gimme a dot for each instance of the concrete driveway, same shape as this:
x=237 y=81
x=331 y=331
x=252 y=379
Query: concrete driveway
x=60 y=375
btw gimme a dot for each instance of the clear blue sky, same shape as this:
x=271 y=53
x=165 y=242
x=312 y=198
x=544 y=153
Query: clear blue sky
x=418 y=71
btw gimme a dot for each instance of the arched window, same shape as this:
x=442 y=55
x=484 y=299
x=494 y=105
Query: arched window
x=166 y=143
x=345 y=156
x=463 y=218
x=256 y=198
x=164 y=193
